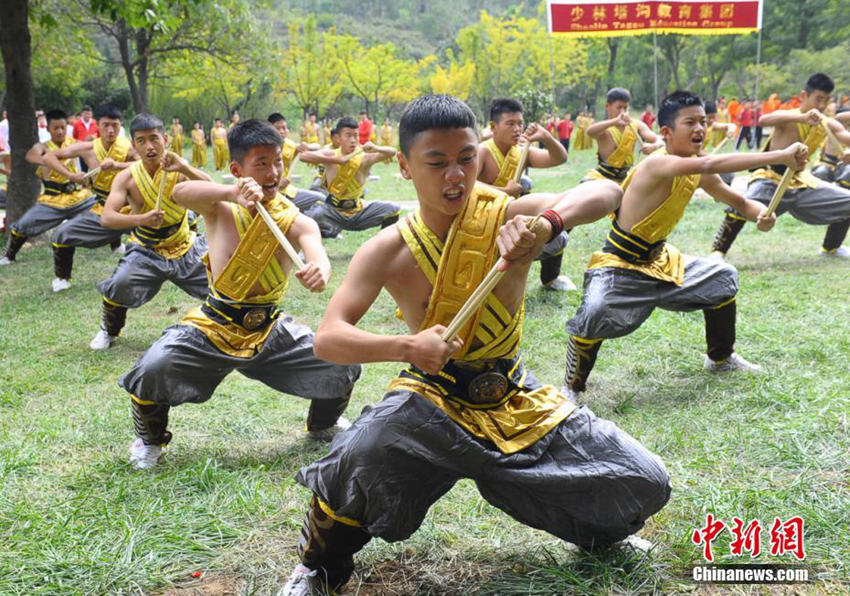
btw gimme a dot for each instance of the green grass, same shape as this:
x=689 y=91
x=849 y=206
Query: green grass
x=75 y=519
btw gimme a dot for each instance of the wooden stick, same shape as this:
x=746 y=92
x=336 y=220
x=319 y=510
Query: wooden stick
x=720 y=145
x=523 y=159
x=281 y=239
x=92 y=173
x=831 y=134
x=477 y=298
x=161 y=188
x=780 y=190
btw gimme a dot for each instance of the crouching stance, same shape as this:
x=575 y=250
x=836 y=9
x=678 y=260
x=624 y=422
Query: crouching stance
x=162 y=245
x=637 y=270
x=239 y=326
x=467 y=407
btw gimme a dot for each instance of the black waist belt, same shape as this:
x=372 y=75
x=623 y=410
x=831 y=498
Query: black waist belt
x=100 y=195
x=150 y=237
x=252 y=317
x=343 y=204
x=829 y=159
x=484 y=384
x=629 y=247
x=778 y=168
x=59 y=188
x=612 y=173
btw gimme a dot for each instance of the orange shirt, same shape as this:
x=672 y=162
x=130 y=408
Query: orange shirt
x=734 y=110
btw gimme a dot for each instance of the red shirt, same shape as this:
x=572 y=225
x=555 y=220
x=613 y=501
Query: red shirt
x=80 y=131
x=648 y=119
x=747 y=117
x=565 y=129
x=364 y=130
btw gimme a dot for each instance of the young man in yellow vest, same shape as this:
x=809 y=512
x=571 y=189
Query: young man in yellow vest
x=344 y=179
x=111 y=153
x=808 y=199
x=63 y=196
x=177 y=136
x=162 y=246
x=499 y=158
x=308 y=201
x=637 y=270
x=218 y=135
x=310 y=130
x=239 y=326
x=467 y=408
x=616 y=137
x=199 y=146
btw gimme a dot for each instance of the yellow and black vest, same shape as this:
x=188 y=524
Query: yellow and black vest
x=813 y=137
x=616 y=166
x=235 y=318
x=345 y=193
x=288 y=154
x=173 y=238
x=455 y=269
x=507 y=163
x=103 y=180
x=59 y=192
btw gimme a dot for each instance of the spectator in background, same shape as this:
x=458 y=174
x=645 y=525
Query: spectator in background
x=364 y=129
x=565 y=130
x=747 y=120
x=43 y=133
x=85 y=129
x=4 y=131
x=648 y=117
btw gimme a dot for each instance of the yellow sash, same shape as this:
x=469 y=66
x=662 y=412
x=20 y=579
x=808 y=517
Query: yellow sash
x=252 y=262
x=103 y=181
x=813 y=137
x=624 y=153
x=180 y=241
x=345 y=185
x=288 y=156
x=669 y=265
x=64 y=200
x=455 y=270
x=507 y=164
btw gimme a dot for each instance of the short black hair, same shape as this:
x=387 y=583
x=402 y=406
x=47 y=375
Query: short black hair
x=86 y=108
x=107 y=110
x=251 y=133
x=618 y=94
x=146 y=122
x=820 y=82
x=432 y=112
x=504 y=105
x=276 y=117
x=55 y=115
x=710 y=108
x=673 y=104
x=345 y=122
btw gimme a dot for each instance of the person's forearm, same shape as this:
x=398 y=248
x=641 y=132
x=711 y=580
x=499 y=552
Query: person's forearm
x=587 y=203
x=780 y=117
x=343 y=343
x=318 y=158
x=120 y=221
x=53 y=163
x=597 y=128
x=193 y=173
x=199 y=195
x=557 y=152
x=723 y=163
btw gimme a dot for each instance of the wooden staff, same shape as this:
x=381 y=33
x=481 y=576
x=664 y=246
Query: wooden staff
x=831 y=134
x=523 y=159
x=780 y=190
x=161 y=188
x=279 y=236
x=720 y=145
x=477 y=298
x=92 y=173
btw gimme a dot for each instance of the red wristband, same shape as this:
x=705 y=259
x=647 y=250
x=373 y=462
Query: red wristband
x=554 y=218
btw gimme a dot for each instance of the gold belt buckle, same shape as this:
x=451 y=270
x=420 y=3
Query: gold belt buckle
x=254 y=318
x=488 y=388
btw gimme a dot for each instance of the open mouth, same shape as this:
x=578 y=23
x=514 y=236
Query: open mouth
x=270 y=189
x=454 y=194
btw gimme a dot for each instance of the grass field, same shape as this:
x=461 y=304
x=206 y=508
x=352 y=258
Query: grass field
x=75 y=519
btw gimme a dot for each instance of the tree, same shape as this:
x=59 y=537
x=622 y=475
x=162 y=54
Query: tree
x=15 y=44
x=456 y=80
x=310 y=70
x=378 y=74
x=149 y=32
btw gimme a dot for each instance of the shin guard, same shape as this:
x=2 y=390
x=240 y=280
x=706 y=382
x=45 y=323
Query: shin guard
x=113 y=318
x=550 y=268
x=720 y=330
x=150 y=421
x=729 y=230
x=324 y=413
x=835 y=235
x=581 y=356
x=16 y=241
x=63 y=261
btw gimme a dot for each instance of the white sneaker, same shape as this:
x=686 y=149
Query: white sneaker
x=570 y=393
x=562 y=283
x=733 y=362
x=327 y=434
x=635 y=543
x=60 y=284
x=303 y=582
x=144 y=457
x=5 y=261
x=119 y=250
x=842 y=252
x=102 y=341
x=717 y=256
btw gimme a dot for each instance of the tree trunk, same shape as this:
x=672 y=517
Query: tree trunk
x=127 y=65
x=15 y=40
x=613 y=48
x=143 y=43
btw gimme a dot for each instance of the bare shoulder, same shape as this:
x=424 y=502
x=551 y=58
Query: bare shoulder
x=384 y=255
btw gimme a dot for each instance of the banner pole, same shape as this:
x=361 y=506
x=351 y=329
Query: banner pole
x=758 y=64
x=655 y=65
